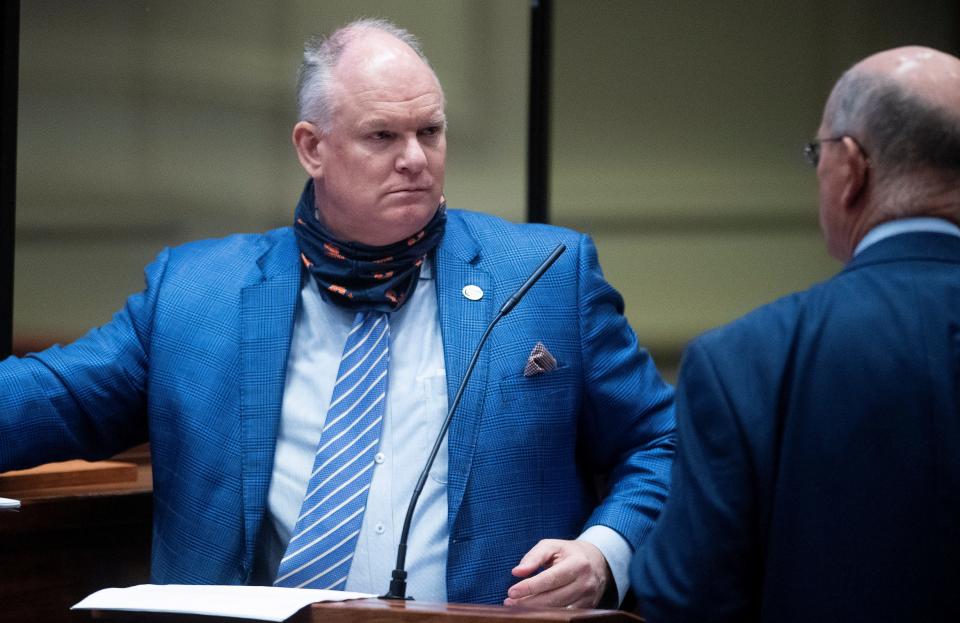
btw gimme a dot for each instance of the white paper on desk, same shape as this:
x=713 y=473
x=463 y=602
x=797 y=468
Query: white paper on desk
x=267 y=603
x=7 y=503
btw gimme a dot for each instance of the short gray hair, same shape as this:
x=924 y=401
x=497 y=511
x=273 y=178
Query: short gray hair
x=320 y=56
x=900 y=132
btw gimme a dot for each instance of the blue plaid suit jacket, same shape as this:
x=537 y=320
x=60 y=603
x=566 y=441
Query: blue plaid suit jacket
x=196 y=363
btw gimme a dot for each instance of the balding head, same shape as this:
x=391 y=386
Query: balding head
x=903 y=107
x=890 y=145
x=923 y=72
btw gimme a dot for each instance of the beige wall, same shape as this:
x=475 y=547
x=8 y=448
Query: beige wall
x=677 y=129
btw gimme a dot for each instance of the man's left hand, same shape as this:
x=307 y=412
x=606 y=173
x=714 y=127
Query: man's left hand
x=575 y=575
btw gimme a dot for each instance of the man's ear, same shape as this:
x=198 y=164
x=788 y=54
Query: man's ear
x=306 y=140
x=856 y=168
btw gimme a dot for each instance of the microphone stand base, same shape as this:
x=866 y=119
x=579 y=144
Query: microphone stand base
x=398 y=586
x=393 y=597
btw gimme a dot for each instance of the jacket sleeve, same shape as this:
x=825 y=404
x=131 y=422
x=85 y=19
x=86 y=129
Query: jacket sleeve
x=628 y=421
x=699 y=562
x=86 y=399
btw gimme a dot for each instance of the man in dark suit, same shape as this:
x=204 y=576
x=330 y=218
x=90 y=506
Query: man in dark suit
x=818 y=468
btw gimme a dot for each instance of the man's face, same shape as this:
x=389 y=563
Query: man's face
x=382 y=161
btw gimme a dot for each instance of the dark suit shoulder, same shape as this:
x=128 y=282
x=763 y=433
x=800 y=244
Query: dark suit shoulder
x=751 y=359
x=766 y=326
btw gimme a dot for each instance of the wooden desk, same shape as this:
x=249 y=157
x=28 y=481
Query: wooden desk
x=381 y=611
x=67 y=542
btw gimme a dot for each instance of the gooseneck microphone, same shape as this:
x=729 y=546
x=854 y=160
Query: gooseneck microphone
x=398 y=582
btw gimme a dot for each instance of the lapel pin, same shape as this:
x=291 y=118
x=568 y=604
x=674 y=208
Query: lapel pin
x=472 y=292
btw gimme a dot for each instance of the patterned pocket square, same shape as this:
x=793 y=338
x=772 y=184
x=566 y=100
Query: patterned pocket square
x=539 y=361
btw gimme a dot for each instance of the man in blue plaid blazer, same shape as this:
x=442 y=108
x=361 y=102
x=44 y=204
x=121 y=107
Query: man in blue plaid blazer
x=216 y=358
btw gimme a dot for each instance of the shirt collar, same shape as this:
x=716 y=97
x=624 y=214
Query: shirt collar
x=904 y=226
x=426 y=271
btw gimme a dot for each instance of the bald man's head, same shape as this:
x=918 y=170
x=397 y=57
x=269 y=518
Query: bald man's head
x=924 y=72
x=903 y=107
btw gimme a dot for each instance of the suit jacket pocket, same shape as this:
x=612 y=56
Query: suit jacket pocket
x=549 y=395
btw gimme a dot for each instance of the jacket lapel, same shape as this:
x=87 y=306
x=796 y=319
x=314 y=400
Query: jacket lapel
x=462 y=323
x=267 y=311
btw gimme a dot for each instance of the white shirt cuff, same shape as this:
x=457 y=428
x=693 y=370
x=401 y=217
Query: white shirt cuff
x=617 y=552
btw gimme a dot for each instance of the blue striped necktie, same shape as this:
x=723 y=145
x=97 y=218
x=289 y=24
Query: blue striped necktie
x=325 y=536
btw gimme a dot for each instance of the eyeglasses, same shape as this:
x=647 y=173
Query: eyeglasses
x=811 y=151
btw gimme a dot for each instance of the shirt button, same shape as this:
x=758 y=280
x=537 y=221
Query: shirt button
x=379 y=528
x=379 y=458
